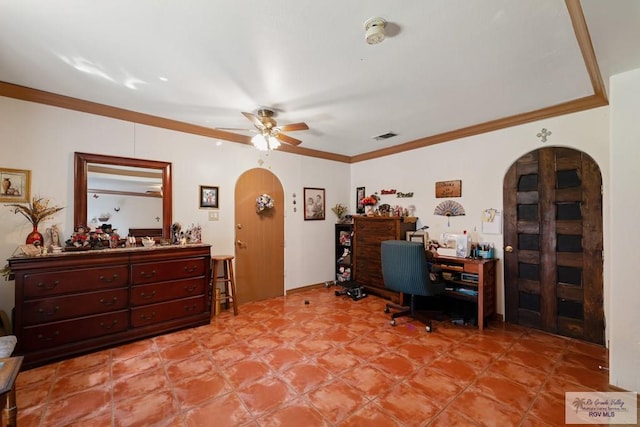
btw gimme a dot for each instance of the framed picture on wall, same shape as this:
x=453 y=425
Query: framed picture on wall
x=15 y=185
x=359 y=196
x=208 y=197
x=313 y=203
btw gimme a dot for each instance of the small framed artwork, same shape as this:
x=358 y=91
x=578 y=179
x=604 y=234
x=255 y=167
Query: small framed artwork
x=419 y=236
x=445 y=189
x=209 y=197
x=15 y=185
x=313 y=203
x=359 y=196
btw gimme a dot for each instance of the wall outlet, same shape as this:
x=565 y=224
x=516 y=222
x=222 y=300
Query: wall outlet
x=213 y=215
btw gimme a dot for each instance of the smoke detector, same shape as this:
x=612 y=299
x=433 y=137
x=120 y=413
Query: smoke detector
x=374 y=30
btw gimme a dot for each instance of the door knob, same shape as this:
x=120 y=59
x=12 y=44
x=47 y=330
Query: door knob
x=508 y=248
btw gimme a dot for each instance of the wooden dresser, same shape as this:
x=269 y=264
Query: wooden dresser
x=368 y=233
x=76 y=302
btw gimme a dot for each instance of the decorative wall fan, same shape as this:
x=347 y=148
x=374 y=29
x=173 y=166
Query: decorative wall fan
x=269 y=133
x=449 y=208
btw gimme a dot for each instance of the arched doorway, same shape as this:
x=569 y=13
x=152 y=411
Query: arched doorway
x=259 y=237
x=553 y=243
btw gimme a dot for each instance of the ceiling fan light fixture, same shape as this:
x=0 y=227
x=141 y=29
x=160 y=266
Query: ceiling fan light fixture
x=274 y=144
x=260 y=142
x=270 y=136
x=374 y=30
x=265 y=142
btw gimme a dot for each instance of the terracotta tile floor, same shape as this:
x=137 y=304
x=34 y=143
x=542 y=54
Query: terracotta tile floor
x=332 y=362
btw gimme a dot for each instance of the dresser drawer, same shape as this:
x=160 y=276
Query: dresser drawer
x=370 y=252
x=166 y=291
x=369 y=264
x=369 y=277
x=369 y=228
x=68 y=331
x=38 y=285
x=156 y=313
x=66 y=307
x=168 y=270
x=471 y=268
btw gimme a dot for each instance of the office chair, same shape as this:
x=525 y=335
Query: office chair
x=405 y=269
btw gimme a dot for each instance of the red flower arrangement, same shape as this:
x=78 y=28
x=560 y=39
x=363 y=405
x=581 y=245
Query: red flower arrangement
x=370 y=200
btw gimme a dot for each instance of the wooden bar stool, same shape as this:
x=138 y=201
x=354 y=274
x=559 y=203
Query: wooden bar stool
x=227 y=278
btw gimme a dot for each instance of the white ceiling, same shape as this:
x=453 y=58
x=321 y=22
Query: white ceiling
x=445 y=64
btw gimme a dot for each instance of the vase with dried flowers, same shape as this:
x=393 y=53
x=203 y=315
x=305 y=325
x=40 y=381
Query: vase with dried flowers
x=369 y=202
x=339 y=209
x=35 y=211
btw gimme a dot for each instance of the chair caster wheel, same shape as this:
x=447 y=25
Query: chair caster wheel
x=393 y=322
x=386 y=309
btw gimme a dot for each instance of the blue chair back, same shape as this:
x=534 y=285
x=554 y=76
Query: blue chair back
x=405 y=269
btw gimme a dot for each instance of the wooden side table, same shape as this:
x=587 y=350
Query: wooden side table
x=484 y=271
x=8 y=374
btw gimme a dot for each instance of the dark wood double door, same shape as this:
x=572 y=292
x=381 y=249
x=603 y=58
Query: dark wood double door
x=553 y=243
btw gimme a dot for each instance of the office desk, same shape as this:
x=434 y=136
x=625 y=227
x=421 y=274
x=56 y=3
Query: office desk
x=461 y=287
x=8 y=374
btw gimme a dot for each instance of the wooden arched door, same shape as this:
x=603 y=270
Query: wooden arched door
x=259 y=237
x=553 y=243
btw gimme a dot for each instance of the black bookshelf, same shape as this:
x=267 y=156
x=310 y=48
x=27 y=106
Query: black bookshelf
x=343 y=255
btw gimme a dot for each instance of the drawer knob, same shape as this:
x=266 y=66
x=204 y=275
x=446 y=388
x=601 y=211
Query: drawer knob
x=106 y=280
x=148 y=317
x=51 y=338
x=49 y=313
x=148 y=275
x=190 y=288
x=190 y=270
x=109 y=326
x=42 y=285
x=107 y=302
x=147 y=296
x=190 y=308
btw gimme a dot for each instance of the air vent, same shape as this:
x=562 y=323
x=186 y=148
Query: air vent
x=385 y=136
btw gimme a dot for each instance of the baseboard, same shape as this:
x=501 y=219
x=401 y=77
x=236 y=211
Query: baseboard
x=305 y=288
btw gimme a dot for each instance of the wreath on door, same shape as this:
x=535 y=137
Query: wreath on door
x=263 y=202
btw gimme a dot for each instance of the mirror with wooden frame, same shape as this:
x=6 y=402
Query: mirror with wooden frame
x=137 y=189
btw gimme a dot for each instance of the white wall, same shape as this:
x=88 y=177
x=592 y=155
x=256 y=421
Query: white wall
x=624 y=207
x=481 y=162
x=43 y=139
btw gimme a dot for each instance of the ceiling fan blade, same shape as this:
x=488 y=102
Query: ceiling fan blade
x=240 y=129
x=254 y=119
x=293 y=126
x=288 y=140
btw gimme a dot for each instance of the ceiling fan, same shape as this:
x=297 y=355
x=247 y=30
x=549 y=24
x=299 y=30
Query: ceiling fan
x=269 y=133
